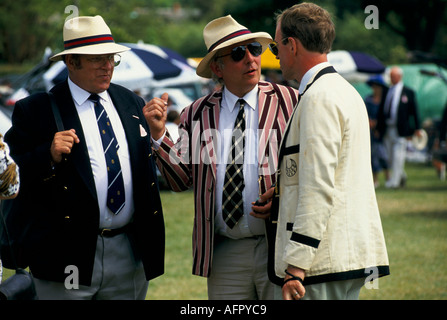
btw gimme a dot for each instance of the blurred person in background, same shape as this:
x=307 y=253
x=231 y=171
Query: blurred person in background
x=440 y=147
x=397 y=122
x=9 y=182
x=373 y=102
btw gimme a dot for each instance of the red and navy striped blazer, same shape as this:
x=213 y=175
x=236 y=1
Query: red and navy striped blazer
x=192 y=160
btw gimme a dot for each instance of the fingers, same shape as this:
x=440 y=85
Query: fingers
x=262 y=207
x=62 y=144
x=156 y=108
x=261 y=212
x=165 y=97
x=155 y=112
x=293 y=290
x=268 y=194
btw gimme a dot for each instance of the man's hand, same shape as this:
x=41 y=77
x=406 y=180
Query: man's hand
x=293 y=289
x=155 y=112
x=261 y=208
x=62 y=144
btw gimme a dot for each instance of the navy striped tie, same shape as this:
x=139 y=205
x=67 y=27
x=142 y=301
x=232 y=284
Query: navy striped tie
x=115 y=191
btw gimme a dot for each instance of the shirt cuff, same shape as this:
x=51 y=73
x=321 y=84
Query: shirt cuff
x=156 y=143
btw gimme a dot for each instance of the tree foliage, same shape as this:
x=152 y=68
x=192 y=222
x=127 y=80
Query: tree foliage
x=27 y=27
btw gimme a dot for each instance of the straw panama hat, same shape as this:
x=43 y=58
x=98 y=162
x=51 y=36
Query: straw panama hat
x=224 y=32
x=420 y=142
x=88 y=35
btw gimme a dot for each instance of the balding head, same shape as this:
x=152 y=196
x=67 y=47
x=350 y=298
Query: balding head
x=396 y=74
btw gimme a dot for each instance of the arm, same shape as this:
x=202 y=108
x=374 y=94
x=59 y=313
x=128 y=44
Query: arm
x=172 y=163
x=321 y=132
x=33 y=146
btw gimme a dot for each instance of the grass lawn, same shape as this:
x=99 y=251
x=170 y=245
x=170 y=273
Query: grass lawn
x=415 y=225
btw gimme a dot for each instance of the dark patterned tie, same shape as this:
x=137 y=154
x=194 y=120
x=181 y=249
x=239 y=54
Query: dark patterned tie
x=232 y=202
x=115 y=191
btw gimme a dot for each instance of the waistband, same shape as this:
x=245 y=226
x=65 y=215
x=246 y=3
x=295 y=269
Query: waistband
x=108 y=233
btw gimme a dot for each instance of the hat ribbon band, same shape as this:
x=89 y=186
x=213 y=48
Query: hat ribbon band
x=229 y=37
x=88 y=41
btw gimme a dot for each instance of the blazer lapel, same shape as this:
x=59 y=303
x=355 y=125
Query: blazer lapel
x=79 y=154
x=210 y=123
x=133 y=129
x=268 y=112
x=129 y=120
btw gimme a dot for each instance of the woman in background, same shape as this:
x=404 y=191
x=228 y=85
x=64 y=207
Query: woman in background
x=9 y=179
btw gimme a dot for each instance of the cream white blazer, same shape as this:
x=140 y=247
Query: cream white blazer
x=328 y=222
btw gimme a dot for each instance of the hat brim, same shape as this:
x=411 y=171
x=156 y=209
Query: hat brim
x=375 y=82
x=420 y=142
x=204 y=70
x=102 y=48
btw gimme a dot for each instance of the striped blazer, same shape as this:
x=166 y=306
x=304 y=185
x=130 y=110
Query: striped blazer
x=192 y=160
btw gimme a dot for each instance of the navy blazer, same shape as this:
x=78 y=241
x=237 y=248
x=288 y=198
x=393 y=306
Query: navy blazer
x=57 y=207
x=407 y=114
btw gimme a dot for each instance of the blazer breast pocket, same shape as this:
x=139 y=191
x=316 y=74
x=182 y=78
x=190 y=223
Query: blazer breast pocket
x=290 y=172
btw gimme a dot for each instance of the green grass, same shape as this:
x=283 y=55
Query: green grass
x=178 y=283
x=415 y=226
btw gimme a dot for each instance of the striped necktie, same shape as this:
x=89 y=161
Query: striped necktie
x=115 y=190
x=232 y=202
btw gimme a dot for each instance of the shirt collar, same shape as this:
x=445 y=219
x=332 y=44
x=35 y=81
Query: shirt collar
x=80 y=96
x=251 y=98
x=398 y=85
x=310 y=74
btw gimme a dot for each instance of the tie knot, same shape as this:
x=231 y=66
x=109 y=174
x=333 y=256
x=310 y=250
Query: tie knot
x=94 y=97
x=241 y=103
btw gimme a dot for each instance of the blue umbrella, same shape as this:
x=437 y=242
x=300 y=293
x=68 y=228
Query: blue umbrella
x=348 y=62
x=140 y=67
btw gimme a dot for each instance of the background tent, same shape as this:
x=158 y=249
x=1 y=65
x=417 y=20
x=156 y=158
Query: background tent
x=431 y=91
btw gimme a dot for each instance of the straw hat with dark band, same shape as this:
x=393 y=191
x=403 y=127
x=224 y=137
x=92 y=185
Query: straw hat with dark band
x=88 y=35
x=224 y=32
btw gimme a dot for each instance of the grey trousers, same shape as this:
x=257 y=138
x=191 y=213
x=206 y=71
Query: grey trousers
x=239 y=270
x=334 y=290
x=117 y=275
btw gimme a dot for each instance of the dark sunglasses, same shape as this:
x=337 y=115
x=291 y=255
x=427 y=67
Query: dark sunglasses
x=274 y=47
x=238 y=53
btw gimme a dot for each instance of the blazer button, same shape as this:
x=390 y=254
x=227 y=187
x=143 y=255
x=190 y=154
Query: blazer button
x=155 y=212
x=67 y=217
x=153 y=184
x=150 y=155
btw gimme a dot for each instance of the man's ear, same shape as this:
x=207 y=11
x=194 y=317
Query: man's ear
x=294 y=45
x=71 y=62
x=216 y=68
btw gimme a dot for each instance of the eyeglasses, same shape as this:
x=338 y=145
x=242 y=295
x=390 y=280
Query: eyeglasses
x=99 y=60
x=238 y=53
x=274 y=46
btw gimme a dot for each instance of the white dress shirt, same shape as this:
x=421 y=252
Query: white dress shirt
x=87 y=116
x=394 y=94
x=247 y=226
